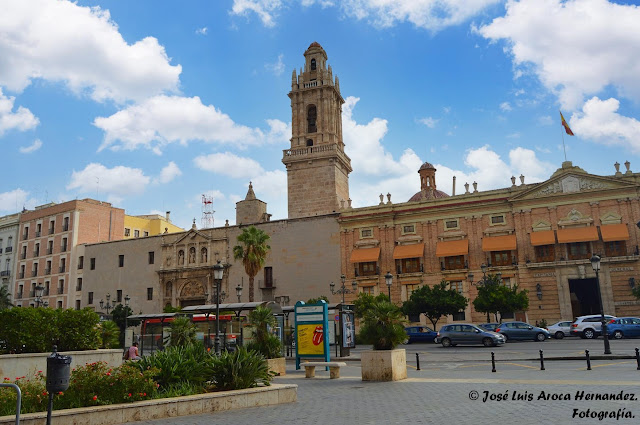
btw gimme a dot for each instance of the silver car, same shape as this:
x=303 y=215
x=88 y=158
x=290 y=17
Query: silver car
x=560 y=329
x=463 y=333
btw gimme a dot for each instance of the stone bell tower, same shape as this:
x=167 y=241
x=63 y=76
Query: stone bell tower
x=317 y=166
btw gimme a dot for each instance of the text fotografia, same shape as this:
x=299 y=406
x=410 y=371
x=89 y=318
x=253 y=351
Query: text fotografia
x=602 y=414
x=488 y=396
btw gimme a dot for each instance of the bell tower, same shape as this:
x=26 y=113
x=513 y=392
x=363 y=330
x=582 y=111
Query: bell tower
x=317 y=166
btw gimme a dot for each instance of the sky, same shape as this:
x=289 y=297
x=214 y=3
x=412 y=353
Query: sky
x=151 y=105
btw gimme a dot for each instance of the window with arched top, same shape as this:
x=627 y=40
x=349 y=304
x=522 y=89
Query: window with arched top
x=312 y=115
x=309 y=142
x=313 y=64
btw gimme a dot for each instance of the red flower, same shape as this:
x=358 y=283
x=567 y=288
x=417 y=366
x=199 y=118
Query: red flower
x=129 y=394
x=144 y=394
x=95 y=397
x=108 y=374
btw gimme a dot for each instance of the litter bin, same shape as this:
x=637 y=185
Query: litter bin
x=58 y=371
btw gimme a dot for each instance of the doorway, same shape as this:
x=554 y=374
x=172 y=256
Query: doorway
x=584 y=297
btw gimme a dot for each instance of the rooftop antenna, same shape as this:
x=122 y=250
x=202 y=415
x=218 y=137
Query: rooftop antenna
x=97 y=188
x=206 y=221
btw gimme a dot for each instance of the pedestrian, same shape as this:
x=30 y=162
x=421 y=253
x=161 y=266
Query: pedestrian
x=134 y=354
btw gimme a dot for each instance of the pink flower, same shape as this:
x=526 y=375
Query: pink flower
x=95 y=397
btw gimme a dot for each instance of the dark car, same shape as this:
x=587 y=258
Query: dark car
x=624 y=327
x=489 y=326
x=462 y=333
x=419 y=334
x=522 y=331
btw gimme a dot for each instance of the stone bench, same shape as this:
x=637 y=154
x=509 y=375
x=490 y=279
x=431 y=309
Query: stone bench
x=334 y=368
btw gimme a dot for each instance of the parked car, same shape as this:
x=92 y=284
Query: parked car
x=624 y=327
x=419 y=334
x=589 y=326
x=489 y=326
x=462 y=333
x=560 y=329
x=522 y=330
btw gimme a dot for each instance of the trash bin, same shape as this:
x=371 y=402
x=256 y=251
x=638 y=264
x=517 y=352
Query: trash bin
x=58 y=371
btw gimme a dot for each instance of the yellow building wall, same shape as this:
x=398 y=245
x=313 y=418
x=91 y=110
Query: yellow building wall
x=154 y=226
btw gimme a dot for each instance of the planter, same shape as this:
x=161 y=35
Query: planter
x=384 y=365
x=28 y=364
x=164 y=407
x=278 y=366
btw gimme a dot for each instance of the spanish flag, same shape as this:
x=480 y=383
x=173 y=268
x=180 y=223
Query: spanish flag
x=566 y=126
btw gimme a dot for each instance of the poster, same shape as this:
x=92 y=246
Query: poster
x=310 y=339
x=348 y=330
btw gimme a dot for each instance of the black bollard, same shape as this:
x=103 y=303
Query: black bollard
x=417 y=361
x=541 y=361
x=638 y=358
x=493 y=362
x=588 y=359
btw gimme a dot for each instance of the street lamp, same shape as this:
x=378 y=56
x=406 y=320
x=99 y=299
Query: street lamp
x=595 y=263
x=389 y=281
x=218 y=272
x=38 y=294
x=127 y=300
x=238 y=292
x=108 y=306
x=343 y=289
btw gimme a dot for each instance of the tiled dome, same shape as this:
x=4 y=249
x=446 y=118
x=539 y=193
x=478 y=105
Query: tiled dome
x=427 y=166
x=427 y=194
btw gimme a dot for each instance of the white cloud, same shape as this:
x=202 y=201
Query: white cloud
x=117 y=183
x=429 y=14
x=228 y=164
x=429 y=121
x=37 y=144
x=202 y=31
x=162 y=120
x=545 y=120
x=599 y=121
x=505 y=106
x=14 y=200
x=60 y=41
x=168 y=173
x=515 y=135
x=22 y=119
x=276 y=68
x=575 y=47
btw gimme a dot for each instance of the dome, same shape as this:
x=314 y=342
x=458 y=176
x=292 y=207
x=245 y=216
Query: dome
x=427 y=166
x=428 y=194
x=314 y=44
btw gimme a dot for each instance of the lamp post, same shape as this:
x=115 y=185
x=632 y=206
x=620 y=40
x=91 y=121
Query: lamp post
x=595 y=263
x=238 y=292
x=127 y=300
x=108 y=305
x=483 y=281
x=218 y=272
x=343 y=289
x=38 y=293
x=389 y=281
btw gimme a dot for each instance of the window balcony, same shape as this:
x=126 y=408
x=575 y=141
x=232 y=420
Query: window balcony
x=63 y=248
x=23 y=256
x=49 y=251
x=45 y=292
x=0 y=250
x=38 y=234
x=21 y=275
x=62 y=268
x=8 y=249
x=25 y=236
x=36 y=253
x=65 y=228
x=19 y=296
x=34 y=273
x=60 y=291
x=51 y=230
x=47 y=271
x=32 y=293
x=5 y=273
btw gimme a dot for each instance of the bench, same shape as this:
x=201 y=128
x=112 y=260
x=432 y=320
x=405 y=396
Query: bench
x=334 y=368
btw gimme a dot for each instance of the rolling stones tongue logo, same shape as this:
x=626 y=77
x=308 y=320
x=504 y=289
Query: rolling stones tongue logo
x=317 y=335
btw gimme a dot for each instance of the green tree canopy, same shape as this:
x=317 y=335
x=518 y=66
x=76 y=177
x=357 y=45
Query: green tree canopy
x=118 y=314
x=494 y=297
x=252 y=250
x=183 y=332
x=317 y=299
x=383 y=325
x=364 y=302
x=5 y=298
x=434 y=302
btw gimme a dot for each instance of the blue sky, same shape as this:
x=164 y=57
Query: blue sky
x=152 y=104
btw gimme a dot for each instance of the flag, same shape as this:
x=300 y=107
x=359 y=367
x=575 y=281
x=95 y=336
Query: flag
x=566 y=126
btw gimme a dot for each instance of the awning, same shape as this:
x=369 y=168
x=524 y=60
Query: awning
x=408 y=251
x=365 y=255
x=546 y=237
x=452 y=248
x=499 y=243
x=614 y=232
x=578 y=234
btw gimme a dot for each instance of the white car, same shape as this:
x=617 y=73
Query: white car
x=590 y=326
x=560 y=329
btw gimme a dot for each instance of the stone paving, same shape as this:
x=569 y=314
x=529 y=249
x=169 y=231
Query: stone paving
x=441 y=393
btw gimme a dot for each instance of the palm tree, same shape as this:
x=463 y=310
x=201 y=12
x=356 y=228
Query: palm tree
x=5 y=298
x=252 y=252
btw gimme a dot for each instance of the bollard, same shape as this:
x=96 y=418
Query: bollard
x=541 y=361
x=588 y=359
x=638 y=358
x=493 y=362
x=417 y=361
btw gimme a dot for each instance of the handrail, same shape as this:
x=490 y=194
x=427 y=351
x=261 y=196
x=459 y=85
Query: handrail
x=18 y=400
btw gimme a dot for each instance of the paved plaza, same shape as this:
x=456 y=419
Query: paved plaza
x=445 y=391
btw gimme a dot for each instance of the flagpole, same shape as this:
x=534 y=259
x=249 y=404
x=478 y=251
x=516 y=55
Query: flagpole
x=562 y=135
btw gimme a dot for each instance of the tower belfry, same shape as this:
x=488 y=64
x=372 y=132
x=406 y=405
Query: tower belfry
x=317 y=166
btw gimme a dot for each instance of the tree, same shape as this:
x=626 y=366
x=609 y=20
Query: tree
x=253 y=252
x=5 y=298
x=183 y=332
x=494 y=297
x=364 y=302
x=264 y=342
x=119 y=313
x=110 y=334
x=435 y=302
x=316 y=300
x=383 y=325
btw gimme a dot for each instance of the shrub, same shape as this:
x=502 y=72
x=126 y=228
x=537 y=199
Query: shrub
x=189 y=363
x=34 y=395
x=240 y=369
x=183 y=332
x=383 y=326
x=110 y=334
x=264 y=342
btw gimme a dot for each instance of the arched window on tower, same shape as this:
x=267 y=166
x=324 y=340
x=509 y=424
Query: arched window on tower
x=313 y=64
x=311 y=119
x=309 y=142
